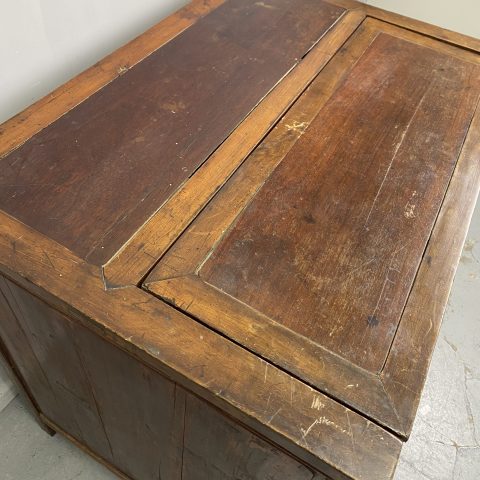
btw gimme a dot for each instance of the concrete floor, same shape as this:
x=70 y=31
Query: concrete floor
x=445 y=444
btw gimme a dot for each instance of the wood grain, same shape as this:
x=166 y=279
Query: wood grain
x=142 y=412
x=407 y=365
x=158 y=124
x=45 y=341
x=123 y=411
x=135 y=258
x=22 y=365
x=334 y=238
x=216 y=448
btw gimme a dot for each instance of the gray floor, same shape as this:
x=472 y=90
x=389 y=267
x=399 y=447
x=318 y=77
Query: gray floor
x=28 y=453
x=445 y=444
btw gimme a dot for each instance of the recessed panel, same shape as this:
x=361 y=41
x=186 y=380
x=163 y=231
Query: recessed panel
x=330 y=245
x=93 y=177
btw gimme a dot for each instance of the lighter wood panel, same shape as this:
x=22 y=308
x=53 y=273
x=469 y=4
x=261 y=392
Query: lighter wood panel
x=318 y=155
x=335 y=237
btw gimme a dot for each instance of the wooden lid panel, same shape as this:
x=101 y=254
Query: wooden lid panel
x=330 y=245
x=310 y=253
x=93 y=177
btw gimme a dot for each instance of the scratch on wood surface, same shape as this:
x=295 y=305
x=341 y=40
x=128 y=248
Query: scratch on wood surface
x=268 y=400
x=273 y=416
x=352 y=438
x=409 y=210
x=360 y=267
x=430 y=326
x=317 y=404
x=299 y=127
x=306 y=432
x=265 y=5
x=394 y=156
x=321 y=421
x=14 y=243
x=49 y=259
x=403 y=386
x=391 y=268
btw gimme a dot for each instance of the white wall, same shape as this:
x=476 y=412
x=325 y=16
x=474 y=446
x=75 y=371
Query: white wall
x=44 y=43
x=458 y=15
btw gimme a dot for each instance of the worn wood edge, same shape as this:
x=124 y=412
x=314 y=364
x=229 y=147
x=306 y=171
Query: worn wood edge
x=55 y=428
x=136 y=257
x=427 y=41
x=162 y=338
x=347 y=4
x=20 y=128
x=425 y=307
x=336 y=377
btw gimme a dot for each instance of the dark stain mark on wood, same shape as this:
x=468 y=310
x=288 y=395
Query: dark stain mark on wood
x=308 y=217
x=372 y=321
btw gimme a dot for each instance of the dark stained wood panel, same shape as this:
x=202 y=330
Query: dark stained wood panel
x=91 y=178
x=128 y=414
x=330 y=245
x=38 y=337
x=16 y=348
x=142 y=412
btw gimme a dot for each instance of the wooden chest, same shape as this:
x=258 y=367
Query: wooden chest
x=226 y=249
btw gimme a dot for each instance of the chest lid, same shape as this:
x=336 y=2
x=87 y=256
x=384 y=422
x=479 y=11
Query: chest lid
x=328 y=252
x=90 y=179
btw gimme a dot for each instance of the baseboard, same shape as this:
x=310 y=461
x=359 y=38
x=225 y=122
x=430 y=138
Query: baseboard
x=8 y=390
x=83 y=447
